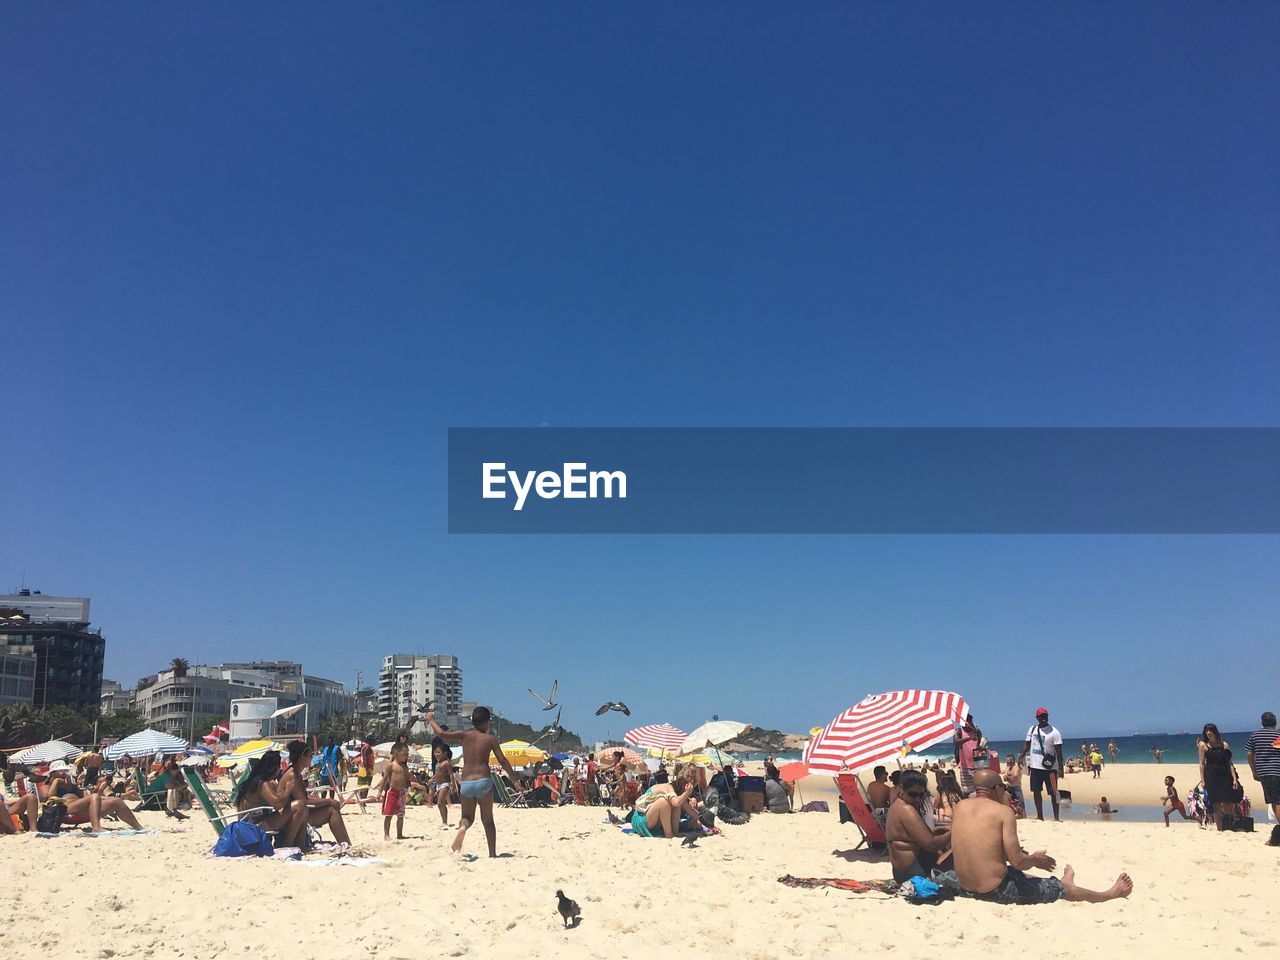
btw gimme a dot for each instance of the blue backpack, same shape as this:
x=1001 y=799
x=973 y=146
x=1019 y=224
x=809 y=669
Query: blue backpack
x=243 y=839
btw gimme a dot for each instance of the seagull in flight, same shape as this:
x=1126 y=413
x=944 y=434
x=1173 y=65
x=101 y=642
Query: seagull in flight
x=548 y=703
x=614 y=705
x=554 y=731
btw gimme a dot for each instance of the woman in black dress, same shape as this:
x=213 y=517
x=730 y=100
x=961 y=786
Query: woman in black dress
x=1217 y=775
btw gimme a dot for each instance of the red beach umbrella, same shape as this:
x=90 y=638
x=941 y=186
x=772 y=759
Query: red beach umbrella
x=656 y=736
x=884 y=725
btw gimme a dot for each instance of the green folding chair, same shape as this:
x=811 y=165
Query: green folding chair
x=217 y=818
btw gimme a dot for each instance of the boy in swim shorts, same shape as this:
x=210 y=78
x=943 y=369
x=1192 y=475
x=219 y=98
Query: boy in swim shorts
x=477 y=787
x=394 y=789
x=1171 y=802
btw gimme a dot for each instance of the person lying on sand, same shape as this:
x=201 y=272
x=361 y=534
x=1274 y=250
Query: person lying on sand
x=990 y=861
x=914 y=848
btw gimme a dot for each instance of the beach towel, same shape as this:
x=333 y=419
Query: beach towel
x=841 y=883
x=91 y=833
x=815 y=806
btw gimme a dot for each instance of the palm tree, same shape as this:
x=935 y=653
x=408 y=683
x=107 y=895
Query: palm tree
x=180 y=666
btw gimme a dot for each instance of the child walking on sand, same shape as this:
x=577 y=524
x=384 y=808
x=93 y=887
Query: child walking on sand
x=477 y=786
x=394 y=789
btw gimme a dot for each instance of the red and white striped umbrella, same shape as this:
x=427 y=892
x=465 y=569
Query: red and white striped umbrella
x=656 y=736
x=885 y=725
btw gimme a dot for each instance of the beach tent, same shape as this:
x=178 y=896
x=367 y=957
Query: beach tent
x=885 y=725
x=145 y=743
x=44 y=753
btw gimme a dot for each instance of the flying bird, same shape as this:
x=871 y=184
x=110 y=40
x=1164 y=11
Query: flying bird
x=569 y=909
x=554 y=731
x=614 y=705
x=548 y=703
x=425 y=708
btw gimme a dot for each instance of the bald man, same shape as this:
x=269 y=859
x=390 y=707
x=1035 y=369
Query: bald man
x=990 y=861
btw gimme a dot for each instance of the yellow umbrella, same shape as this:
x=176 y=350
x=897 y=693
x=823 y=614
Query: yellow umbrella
x=520 y=753
x=247 y=751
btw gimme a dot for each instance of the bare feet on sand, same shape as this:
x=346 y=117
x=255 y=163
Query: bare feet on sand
x=1121 y=888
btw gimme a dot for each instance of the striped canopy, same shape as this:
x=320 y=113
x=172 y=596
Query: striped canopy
x=43 y=753
x=145 y=743
x=885 y=725
x=656 y=736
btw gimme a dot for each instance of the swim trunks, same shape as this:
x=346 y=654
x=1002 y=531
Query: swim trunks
x=1270 y=789
x=1043 y=778
x=1018 y=888
x=393 y=803
x=476 y=789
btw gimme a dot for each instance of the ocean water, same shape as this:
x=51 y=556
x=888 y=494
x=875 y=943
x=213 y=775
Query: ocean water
x=1174 y=747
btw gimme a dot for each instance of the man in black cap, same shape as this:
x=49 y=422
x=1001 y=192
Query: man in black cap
x=1044 y=744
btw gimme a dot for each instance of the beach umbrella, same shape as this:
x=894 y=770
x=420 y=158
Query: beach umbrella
x=885 y=725
x=196 y=748
x=662 y=737
x=43 y=753
x=247 y=751
x=794 y=771
x=145 y=743
x=520 y=753
x=713 y=734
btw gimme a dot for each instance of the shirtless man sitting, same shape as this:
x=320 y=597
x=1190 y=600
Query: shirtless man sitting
x=990 y=861
x=477 y=786
x=24 y=807
x=878 y=791
x=914 y=847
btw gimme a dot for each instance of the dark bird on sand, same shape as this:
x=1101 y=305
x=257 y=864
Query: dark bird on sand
x=617 y=822
x=614 y=705
x=548 y=703
x=690 y=841
x=569 y=909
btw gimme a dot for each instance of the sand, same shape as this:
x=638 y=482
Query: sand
x=158 y=896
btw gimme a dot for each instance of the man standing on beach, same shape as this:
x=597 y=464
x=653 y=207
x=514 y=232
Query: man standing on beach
x=477 y=786
x=990 y=860
x=1044 y=744
x=1113 y=750
x=1264 y=762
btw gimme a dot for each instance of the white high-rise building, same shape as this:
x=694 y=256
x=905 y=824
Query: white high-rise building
x=407 y=681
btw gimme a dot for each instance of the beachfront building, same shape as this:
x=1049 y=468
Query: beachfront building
x=175 y=699
x=407 y=680
x=17 y=661
x=114 y=697
x=68 y=654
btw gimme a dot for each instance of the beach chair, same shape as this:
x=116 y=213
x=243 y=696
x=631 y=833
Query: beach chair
x=860 y=810
x=152 y=794
x=505 y=794
x=217 y=818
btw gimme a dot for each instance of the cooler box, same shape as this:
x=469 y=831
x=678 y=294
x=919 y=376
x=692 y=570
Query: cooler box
x=751 y=794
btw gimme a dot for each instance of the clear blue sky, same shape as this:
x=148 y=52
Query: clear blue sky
x=254 y=261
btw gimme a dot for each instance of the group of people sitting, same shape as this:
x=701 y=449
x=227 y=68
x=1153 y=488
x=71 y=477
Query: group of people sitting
x=275 y=796
x=83 y=798
x=977 y=849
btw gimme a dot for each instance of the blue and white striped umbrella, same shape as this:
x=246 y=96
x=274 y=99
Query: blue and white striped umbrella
x=43 y=753
x=146 y=743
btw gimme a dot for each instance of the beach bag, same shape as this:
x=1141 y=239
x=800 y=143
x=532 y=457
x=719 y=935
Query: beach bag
x=1236 y=823
x=51 y=817
x=243 y=839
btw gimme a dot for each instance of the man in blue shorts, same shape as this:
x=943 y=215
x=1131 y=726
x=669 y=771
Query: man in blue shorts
x=476 y=787
x=990 y=860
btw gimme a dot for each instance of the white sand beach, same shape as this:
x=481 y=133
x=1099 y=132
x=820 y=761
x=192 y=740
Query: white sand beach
x=159 y=896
